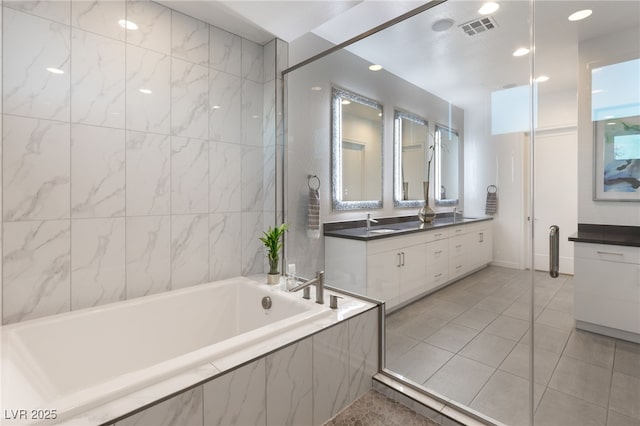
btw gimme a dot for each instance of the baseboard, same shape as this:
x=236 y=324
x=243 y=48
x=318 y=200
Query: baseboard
x=608 y=331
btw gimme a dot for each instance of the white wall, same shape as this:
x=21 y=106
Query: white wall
x=618 y=47
x=309 y=139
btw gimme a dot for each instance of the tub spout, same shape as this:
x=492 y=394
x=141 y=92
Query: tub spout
x=318 y=281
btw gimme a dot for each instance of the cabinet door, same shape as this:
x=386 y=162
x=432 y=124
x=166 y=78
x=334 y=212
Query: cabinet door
x=437 y=263
x=459 y=253
x=481 y=251
x=412 y=271
x=601 y=300
x=383 y=272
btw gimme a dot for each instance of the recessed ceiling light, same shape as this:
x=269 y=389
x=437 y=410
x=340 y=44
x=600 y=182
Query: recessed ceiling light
x=145 y=91
x=216 y=107
x=345 y=102
x=442 y=25
x=128 y=24
x=581 y=14
x=611 y=123
x=55 y=70
x=542 y=79
x=597 y=91
x=521 y=51
x=375 y=67
x=316 y=88
x=488 y=8
x=255 y=116
x=609 y=116
x=379 y=114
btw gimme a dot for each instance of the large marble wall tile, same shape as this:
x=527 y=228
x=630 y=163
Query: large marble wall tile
x=225 y=249
x=154 y=25
x=148 y=91
x=252 y=175
x=98 y=262
x=269 y=178
x=290 y=385
x=252 y=61
x=363 y=352
x=189 y=39
x=99 y=16
x=148 y=170
x=253 y=260
x=282 y=57
x=31 y=45
x=225 y=105
x=35 y=169
x=189 y=175
x=189 y=250
x=36 y=269
x=224 y=177
x=225 y=51
x=237 y=398
x=252 y=95
x=59 y=11
x=269 y=52
x=183 y=410
x=97 y=171
x=189 y=99
x=330 y=372
x=269 y=113
x=98 y=80
x=148 y=255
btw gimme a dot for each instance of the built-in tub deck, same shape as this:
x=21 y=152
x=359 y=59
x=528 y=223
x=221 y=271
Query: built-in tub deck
x=94 y=365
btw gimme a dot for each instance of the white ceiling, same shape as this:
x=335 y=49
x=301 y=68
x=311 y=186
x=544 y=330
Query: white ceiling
x=450 y=64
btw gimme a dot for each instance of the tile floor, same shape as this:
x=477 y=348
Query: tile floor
x=470 y=342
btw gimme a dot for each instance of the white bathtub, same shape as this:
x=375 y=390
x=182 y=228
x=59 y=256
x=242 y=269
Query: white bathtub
x=76 y=361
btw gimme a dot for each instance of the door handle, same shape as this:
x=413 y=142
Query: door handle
x=554 y=251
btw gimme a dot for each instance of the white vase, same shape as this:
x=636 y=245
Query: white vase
x=273 y=279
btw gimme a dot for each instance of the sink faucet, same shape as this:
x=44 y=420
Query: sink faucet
x=369 y=220
x=318 y=281
x=455 y=214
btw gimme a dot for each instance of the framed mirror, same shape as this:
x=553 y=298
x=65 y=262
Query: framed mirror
x=410 y=148
x=356 y=151
x=446 y=170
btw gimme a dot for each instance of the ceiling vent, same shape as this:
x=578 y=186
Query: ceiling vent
x=478 y=26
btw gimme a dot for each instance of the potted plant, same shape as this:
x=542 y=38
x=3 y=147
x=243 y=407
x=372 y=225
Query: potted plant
x=272 y=240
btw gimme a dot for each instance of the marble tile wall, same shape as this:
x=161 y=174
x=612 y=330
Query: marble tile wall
x=143 y=163
x=305 y=383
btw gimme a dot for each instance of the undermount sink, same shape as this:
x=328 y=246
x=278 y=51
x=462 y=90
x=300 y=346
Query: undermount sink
x=381 y=231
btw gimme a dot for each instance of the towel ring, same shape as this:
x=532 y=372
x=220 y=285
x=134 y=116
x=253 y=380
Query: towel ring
x=492 y=189
x=310 y=180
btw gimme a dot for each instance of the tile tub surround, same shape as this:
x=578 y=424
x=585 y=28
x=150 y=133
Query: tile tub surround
x=157 y=140
x=274 y=382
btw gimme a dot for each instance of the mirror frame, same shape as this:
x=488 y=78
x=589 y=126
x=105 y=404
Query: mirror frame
x=447 y=202
x=397 y=156
x=337 y=95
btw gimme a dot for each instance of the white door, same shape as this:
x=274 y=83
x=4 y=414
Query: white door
x=556 y=191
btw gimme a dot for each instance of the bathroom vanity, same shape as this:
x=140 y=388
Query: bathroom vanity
x=401 y=261
x=607 y=280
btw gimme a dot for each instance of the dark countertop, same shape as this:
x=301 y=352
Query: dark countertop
x=607 y=234
x=356 y=230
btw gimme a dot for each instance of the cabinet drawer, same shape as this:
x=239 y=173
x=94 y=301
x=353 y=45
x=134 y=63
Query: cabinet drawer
x=440 y=234
x=394 y=243
x=437 y=252
x=609 y=253
x=459 y=246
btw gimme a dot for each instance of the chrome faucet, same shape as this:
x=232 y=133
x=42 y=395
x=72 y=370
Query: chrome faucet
x=455 y=214
x=369 y=220
x=318 y=281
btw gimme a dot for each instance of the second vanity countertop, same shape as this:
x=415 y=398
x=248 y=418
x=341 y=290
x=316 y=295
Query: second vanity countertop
x=394 y=226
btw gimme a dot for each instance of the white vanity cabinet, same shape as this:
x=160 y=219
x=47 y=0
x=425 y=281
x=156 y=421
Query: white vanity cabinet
x=398 y=269
x=607 y=289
